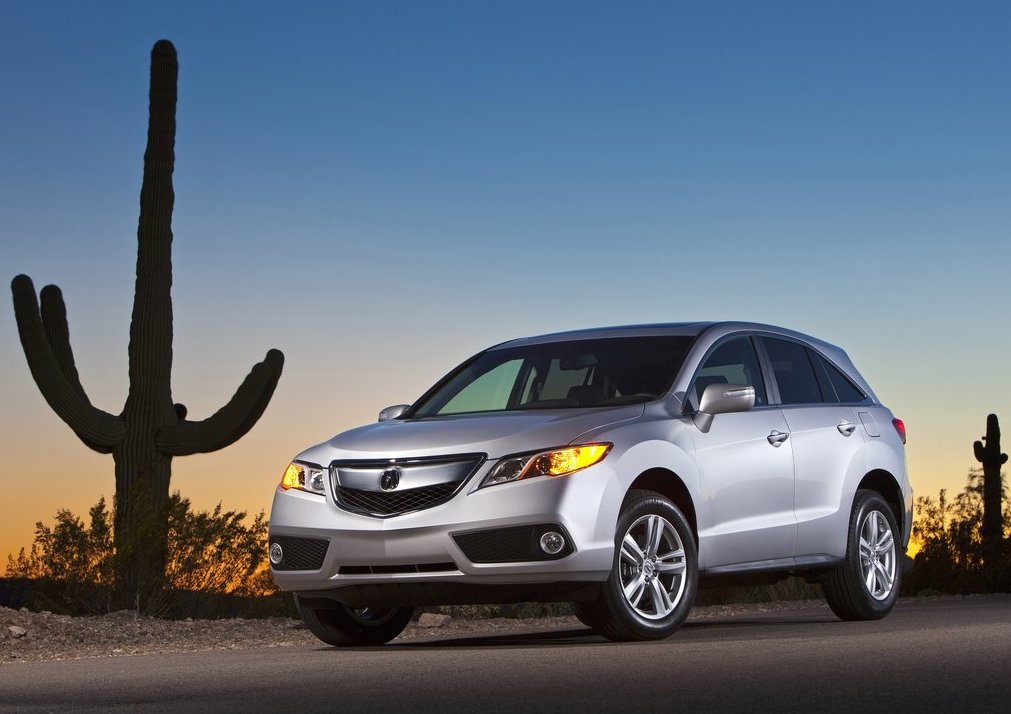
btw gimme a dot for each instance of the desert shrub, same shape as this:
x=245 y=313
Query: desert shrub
x=72 y=563
x=215 y=551
x=951 y=556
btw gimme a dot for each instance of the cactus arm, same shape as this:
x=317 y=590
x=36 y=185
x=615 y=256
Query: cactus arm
x=232 y=421
x=54 y=320
x=980 y=451
x=98 y=429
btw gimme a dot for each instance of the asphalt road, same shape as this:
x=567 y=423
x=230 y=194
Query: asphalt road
x=927 y=656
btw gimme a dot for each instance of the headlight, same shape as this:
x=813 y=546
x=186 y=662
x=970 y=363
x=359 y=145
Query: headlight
x=555 y=462
x=306 y=477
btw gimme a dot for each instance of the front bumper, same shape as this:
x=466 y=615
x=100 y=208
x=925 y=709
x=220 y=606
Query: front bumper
x=418 y=548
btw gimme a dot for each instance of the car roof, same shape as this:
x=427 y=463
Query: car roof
x=686 y=329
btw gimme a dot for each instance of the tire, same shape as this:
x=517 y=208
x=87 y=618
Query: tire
x=659 y=573
x=586 y=613
x=866 y=584
x=343 y=626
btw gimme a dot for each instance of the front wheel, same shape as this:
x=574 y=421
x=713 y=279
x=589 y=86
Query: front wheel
x=653 y=581
x=344 y=626
x=866 y=584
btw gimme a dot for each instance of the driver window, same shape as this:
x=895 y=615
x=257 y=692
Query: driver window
x=733 y=362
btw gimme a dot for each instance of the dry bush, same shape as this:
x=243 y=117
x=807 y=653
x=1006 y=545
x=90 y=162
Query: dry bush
x=72 y=563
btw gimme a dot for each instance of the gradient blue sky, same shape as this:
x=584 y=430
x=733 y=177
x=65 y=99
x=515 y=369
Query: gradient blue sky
x=380 y=189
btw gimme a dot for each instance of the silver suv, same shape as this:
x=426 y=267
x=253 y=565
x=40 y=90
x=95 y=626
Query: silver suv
x=614 y=468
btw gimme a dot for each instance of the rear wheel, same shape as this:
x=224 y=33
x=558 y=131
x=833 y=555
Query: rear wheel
x=344 y=626
x=866 y=584
x=654 y=576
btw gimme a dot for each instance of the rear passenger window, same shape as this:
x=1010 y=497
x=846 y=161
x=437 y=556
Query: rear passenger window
x=793 y=371
x=845 y=391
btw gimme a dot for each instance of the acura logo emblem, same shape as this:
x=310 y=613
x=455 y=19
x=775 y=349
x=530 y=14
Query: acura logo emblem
x=389 y=479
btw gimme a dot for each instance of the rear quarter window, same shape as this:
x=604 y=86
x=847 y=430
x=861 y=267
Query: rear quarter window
x=839 y=385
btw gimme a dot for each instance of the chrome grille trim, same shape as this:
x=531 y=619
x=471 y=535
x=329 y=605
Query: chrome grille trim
x=368 y=498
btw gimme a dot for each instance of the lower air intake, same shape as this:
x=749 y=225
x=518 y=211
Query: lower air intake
x=518 y=544
x=300 y=553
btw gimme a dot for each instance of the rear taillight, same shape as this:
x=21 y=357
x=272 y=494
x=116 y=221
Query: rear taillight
x=901 y=428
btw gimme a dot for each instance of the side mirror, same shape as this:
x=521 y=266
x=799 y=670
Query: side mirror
x=393 y=412
x=723 y=399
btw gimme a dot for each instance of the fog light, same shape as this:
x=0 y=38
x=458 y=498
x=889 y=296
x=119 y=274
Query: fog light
x=277 y=554
x=552 y=543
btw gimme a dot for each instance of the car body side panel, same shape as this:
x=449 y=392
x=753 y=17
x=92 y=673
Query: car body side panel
x=828 y=467
x=747 y=488
x=657 y=441
x=886 y=453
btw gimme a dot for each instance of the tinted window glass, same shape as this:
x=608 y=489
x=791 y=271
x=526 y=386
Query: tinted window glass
x=844 y=388
x=733 y=362
x=558 y=382
x=490 y=390
x=827 y=390
x=793 y=371
x=575 y=373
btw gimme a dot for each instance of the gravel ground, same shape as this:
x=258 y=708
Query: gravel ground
x=42 y=636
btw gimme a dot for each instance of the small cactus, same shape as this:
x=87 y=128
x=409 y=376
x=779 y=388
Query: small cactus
x=988 y=453
x=151 y=429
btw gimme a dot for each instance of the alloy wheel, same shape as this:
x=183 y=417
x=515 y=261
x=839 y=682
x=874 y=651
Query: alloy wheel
x=652 y=567
x=877 y=555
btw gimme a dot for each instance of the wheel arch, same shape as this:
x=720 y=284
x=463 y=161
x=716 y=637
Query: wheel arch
x=669 y=484
x=886 y=485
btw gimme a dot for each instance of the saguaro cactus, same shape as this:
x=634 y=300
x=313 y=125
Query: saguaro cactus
x=151 y=429
x=988 y=453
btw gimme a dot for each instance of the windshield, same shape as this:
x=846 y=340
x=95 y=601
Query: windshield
x=576 y=374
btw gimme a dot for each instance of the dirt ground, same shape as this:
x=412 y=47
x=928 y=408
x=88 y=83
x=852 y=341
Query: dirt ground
x=42 y=636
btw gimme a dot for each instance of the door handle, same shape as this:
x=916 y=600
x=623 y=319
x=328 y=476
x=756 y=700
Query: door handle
x=846 y=427
x=776 y=438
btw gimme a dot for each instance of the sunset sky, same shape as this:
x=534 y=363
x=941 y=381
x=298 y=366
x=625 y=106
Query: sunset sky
x=380 y=189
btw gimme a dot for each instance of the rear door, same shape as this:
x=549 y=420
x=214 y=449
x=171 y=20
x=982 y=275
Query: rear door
x=820 y=408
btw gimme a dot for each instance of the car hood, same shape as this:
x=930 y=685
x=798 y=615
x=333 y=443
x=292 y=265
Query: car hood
x=496 y=435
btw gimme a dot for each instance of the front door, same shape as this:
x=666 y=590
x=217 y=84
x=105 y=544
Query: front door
x=746 y=468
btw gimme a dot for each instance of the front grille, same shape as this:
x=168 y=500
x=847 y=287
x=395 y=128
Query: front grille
x=300 y=553
x=392 y=503
x=397 y=569
x=391 y=487
x=517 y=544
